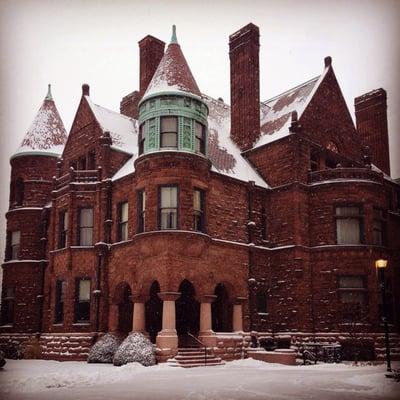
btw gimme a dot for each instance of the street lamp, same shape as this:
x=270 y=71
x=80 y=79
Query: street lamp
x=380 y=266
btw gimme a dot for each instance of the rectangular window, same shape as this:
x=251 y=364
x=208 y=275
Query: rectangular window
x=85 y=227
x=59 y=302
x=15 y=244
x=198 y=210
x=379 y=227
x=169 y=132
x=141 y=211
x=168 y=207
x=122 y=221
x=353 y=296
x=82 y=300
x=141 y=139
x=349 y=225
x=62 y=229
x=200 y=134
x=82 y=163
x=7 y=307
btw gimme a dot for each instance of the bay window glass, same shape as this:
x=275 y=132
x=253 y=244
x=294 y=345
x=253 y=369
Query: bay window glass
x=15 y=244
x=123 y=221
x=63 y=229
x=348 y=225
x=200 y=135
x=59 y=303
x=141 y=201
x=379 y=227
x=169 y=132
x=141 y=139
x=82 y=300
x=86 y=227
x=198 y=210
x=7 y=306
x=168 y=207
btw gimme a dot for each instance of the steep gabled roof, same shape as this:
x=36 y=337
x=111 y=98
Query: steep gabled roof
x=275 y=113
x=123 y=130
x=47 y=135
x=173 y=73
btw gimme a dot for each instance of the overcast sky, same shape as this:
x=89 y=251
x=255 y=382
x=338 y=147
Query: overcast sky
x=69 y=42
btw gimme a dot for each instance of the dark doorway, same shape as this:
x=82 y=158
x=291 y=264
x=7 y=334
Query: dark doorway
x=187 y=310
x=154 y=312
x=221 y=310
x=125 y=310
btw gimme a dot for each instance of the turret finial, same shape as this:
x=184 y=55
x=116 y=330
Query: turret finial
x=173 y=37
x=49 y=96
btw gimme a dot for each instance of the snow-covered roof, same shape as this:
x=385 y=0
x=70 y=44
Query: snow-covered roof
x=47 y=135
x=275 y=113
x=224 y=154
x=173 y=74
x=123 y=130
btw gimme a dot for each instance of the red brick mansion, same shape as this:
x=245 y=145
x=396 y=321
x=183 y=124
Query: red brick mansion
x=183 y=214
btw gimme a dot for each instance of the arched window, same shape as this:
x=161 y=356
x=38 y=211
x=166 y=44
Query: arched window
x=261 y=300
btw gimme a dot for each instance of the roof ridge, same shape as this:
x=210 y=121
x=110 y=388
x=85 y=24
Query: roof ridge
x=289 y=90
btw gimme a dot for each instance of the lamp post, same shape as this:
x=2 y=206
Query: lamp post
x=380 y=266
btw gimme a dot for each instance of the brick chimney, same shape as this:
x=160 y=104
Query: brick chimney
x=244 y=46
x=151 y=51
x=371 y=121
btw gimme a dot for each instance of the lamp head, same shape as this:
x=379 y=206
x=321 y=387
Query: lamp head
x=381 y=263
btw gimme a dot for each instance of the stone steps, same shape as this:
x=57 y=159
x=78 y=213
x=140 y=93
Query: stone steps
x=191 y=357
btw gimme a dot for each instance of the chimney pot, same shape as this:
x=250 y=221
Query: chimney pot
x=85 y=89
x=328 y=61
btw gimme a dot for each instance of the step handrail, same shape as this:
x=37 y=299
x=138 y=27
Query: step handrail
x=202 y=344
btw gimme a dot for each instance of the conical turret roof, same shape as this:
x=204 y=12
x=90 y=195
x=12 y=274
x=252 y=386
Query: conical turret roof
x=173 y=73
x=46 y=135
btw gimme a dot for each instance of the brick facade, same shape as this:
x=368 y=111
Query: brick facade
x=268 y=257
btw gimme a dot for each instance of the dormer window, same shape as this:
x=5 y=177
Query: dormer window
x=169 y=132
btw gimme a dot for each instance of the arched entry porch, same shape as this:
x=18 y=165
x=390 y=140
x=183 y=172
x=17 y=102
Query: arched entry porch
x=121 y=310
x=222 y=310
x=187 y=314
x=153 y=312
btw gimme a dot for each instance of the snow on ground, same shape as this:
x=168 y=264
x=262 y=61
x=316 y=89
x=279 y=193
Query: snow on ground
x=238 y=380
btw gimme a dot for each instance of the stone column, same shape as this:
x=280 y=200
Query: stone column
x=206 y=334
x=113 y=314
x=237 y=320
x=167 y=337
x=138 y=318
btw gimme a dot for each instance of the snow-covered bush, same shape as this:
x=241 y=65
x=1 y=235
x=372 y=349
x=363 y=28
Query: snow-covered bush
x=135 y=348
x=104 y=349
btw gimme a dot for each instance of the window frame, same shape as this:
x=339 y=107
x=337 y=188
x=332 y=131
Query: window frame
x=15 y=248
x=382 y=219
x=141 y=139
x=122 y=226
x=59 y=301
x=160 y=187
x=78 y=302
x=345 y=306
x=169 y=132
x=80 y=227
x=201 y=212
x=141 y=211
x=201 y=140
x=360 y=217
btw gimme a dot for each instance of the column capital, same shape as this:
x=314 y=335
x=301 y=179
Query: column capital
x=169 y=296
x=207 y=298
x=138 y=298
x=239 y=300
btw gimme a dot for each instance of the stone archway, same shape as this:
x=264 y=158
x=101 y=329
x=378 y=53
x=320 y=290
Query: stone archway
x=123 y=300
x=221 y=310
x=187 y=310
x=153 y=312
